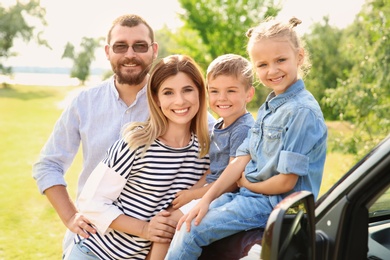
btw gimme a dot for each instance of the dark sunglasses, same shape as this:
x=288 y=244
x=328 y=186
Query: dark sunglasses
x=140 y=47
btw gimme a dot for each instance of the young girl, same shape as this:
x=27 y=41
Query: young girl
x=144 y=170
x=284 y=152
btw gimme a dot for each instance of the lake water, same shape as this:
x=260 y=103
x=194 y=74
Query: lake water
x=47 y=79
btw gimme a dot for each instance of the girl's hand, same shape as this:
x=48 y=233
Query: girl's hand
x=243 y=182
x=197 y=212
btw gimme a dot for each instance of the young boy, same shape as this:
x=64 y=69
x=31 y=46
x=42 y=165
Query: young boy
x=230 y=87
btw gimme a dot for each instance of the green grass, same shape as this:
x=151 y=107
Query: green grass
x=31 y=228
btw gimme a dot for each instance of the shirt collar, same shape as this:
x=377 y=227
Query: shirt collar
x=113 y=88
x=273 y=102
x=116 y=93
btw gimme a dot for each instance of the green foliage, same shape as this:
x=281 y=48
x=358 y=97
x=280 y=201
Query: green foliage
x=329 y=64
x=15 y=23
x=83 y=59
x=215 y=27
x=363 y=98
x=166 y=43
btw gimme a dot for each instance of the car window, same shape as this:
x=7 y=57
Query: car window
x=381 y=207
x=379 y=228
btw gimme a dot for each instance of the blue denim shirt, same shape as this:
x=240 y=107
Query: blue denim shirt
x=289 y=136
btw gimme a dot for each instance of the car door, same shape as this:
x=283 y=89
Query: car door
x=351 y=221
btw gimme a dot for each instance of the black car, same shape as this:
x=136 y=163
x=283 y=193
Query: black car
x=350 y=221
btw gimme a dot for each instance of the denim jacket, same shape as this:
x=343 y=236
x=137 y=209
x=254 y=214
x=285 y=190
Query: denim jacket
x=289 y=136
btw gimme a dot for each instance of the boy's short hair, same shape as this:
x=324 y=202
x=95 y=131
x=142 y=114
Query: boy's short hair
x=231 y=65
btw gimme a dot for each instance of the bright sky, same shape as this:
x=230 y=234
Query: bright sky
x=69 y=21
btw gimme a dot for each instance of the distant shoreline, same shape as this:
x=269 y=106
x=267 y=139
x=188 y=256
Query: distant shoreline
x=52 y=78
x=53 y=70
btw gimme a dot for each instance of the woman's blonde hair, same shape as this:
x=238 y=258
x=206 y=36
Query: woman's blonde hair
x=143 y=134
x=272 y=28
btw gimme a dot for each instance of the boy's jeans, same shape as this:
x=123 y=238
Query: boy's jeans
x=229 y=214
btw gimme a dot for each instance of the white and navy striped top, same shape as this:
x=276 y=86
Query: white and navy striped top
x=125 y=183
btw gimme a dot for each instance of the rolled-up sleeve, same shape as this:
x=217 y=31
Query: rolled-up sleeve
x=96 y=201
x=296 y=163
x=305 y=130
x=58 y=152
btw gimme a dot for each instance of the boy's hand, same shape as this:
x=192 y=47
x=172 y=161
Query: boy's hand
x=197 y=212
x=182 y=198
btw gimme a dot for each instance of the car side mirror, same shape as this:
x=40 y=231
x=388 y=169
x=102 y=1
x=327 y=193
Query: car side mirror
x=290 y=230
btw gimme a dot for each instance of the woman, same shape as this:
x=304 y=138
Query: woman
x=144 y=170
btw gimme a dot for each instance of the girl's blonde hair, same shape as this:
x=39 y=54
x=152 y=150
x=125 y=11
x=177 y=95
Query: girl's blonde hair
x=271 y=28
x=144 y=133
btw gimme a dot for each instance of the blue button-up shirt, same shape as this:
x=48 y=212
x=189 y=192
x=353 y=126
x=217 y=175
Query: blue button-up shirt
x=289 y=136
x=94 y=119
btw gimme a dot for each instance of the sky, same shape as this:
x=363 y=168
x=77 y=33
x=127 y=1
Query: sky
x=71 y=20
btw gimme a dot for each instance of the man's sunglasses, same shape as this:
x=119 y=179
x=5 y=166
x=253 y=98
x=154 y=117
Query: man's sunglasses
x=140 y=47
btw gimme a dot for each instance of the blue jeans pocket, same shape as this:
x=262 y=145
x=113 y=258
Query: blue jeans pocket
x=79 y=251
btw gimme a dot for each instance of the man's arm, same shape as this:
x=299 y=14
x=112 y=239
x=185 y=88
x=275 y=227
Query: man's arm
x=66 y=210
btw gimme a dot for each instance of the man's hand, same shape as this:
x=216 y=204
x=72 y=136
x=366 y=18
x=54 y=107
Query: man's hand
x=72 y=219
x=80 y=225
x=160 y=228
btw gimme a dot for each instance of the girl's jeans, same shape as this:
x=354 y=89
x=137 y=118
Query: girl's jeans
x=227 y=215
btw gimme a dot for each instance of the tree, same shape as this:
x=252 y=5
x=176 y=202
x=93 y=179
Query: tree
x=215 y=27
x=329 y=64
x=14 y=24
x=363 y=98
x=165 y=42
x=83 y=59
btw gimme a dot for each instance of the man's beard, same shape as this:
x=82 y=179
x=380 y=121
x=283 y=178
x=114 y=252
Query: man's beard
x=128 y=78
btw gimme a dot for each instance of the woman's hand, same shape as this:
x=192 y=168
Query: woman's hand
x=160 y=228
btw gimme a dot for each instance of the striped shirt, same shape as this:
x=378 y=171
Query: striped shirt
x=140 y=187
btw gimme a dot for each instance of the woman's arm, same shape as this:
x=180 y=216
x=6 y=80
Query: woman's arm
x=96 y=202
x=160 y=229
